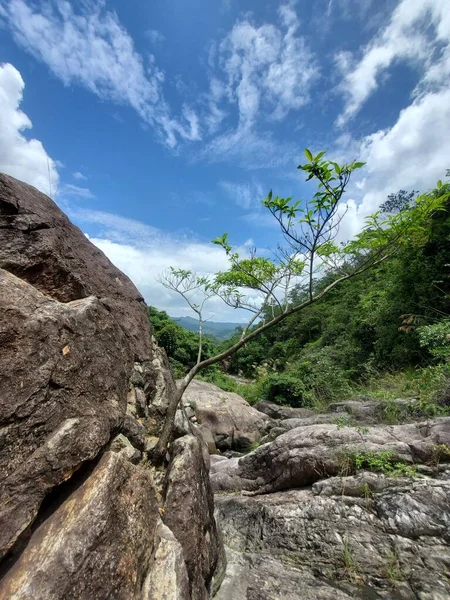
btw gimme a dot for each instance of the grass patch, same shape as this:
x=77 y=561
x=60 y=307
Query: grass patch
x=384 y=461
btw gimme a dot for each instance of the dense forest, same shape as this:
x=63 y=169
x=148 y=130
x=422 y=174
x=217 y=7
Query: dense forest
x=385 y=332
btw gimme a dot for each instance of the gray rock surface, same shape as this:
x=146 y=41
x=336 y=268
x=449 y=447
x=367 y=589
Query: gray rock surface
x=189 y=513
x=325 y=542
x=276 y=411
x=78 y=552
x=306 y=454
x=233 y=422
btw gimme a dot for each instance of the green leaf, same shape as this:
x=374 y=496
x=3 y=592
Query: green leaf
x=308 y=154
x=337 y=168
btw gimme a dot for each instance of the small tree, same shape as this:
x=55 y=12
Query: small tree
x=262 y=285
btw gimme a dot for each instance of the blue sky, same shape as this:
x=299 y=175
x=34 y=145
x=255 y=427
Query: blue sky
x=158 y=125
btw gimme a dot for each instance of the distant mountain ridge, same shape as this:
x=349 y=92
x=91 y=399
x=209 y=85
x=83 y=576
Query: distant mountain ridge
x=215 y=329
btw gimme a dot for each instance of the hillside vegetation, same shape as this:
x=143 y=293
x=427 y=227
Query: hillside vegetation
x=384 y=333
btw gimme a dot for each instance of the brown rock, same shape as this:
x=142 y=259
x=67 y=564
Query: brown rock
x=97 y=544
x=41 y=246
x=168 y=577
x=73 y=330
x=57 y=409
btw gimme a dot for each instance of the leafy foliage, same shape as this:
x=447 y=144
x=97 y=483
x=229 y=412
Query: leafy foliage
x=269 y=288
x=181 y=346
x=357 y=333
x=383 y=461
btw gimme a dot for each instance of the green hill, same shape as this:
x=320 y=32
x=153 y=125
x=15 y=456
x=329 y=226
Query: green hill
x=217 y=330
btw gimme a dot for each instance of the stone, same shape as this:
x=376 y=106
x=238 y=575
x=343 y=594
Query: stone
x=276 y=411
x=261 y=577
x=135 y=432
x=168 y=577
x=337 y=541
x=232 y=421
x=42 y=247
x=58 y=408
x=189 y=514
x=208 y=439
x=125 y=448
x=97 y=544
x=306 y=454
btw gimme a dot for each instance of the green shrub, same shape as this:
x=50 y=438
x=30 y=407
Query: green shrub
x=384 y=461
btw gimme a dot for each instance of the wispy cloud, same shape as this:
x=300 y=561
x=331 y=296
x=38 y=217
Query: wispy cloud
x=71 y=190
x=247 y=195
x=414 y=33
x=91 y=48
x=261 y=73
x=267 y=70
x=78 y=175
x=154 y=36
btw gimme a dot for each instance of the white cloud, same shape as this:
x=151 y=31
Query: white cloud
x=71 y=190
x=247 y=195
x=23 y=158
x=144 y=252
x=155 y=36
x=262 y=72
x=92 y=49
x=79 y=176
x=411 y=155
x=266 y=69
x=249 y=148
x=419 y=33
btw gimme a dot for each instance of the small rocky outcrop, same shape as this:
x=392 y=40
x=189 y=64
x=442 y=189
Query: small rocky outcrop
x=233 y=423
x=84 y=389
x=280 y=412
x=306 y=454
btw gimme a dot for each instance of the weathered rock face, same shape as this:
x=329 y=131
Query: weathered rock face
x=364 y=536
x=41 y=246
x=233 y=423
x=97 y=544
x=83 y=393
x=189 y=513
x=336 y=540
x=309 y=453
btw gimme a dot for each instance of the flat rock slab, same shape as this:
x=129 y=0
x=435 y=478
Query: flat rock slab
x=334 y=538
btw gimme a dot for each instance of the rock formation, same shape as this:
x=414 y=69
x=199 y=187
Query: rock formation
x=233 y=423
x=84 y=389
x=306 y=527
x=306 y=454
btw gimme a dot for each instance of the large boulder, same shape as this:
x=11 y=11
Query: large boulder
x=83 y=394
x=235 y=424
x=306 y=454
x=97 y=544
